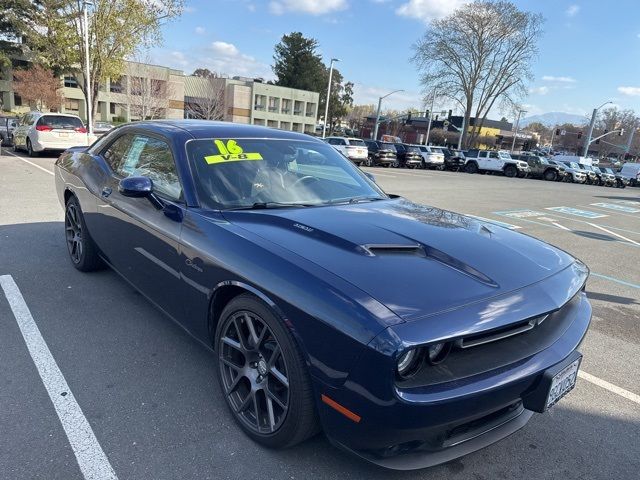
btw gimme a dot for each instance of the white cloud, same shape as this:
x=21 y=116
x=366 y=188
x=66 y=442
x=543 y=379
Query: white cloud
x=427 y=10
x=189 y=9
x=631 y=91
x=542 y=90
x=225 y=49
x=573 y=10
x=200 y=30
x=313 y=7
x=551 y=78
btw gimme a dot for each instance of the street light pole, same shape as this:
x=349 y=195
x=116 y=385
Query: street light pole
x=85 y=5
x=375 y=128
x=585 y=151
x=326 y=103
x=433 y=98
x=515 y=134
x=461 y=132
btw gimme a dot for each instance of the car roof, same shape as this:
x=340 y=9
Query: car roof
x=56 y=114
x=216 y=129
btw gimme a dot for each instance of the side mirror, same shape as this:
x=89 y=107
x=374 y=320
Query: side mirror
x=135 y=187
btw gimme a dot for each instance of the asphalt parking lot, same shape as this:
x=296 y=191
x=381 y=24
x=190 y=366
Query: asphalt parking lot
x=149 y=394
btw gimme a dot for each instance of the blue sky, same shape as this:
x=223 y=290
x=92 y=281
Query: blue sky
x=589 y=52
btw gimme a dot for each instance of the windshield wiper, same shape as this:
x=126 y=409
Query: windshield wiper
x=351 y=200
x=265 y=205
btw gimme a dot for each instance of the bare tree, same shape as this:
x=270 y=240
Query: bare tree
x=206 y=100
x=357 y=113
x=478 y=56
x=148 y=96
x=38 y=87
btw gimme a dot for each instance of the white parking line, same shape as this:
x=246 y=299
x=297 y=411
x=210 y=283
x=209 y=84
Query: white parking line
x=30 y=163
x=614 y=234
x=91 y=458
x=609 y=386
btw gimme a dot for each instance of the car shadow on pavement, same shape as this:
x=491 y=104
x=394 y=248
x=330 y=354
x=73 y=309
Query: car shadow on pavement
x=632 y=199
x=605 y=297
x=595 y=236
x=150 y=393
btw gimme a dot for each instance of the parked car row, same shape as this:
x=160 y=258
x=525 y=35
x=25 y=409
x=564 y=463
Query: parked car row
x=374 y=153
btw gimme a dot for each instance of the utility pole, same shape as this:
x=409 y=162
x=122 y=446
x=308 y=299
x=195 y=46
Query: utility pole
x=515 y=134
x=585 y=151
x=433 y=98
x=326 y=103
x=375 y=128
x=85 y=5
x=461 y=132
x=553 y=134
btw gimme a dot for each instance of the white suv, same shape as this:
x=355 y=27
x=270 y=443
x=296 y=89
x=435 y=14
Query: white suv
x=49 y=131
x=431 y=157
x=353 y=148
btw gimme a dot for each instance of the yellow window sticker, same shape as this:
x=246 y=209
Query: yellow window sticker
x=231 y=152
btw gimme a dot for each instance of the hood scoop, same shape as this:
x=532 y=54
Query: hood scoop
x=374 y=250
x=425 y=251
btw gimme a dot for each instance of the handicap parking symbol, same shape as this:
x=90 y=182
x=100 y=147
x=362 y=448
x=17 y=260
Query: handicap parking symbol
x=619 y=208
x=577 y=212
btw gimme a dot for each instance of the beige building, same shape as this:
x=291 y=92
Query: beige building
x=245 y=100
x=152 y=91
x=144 y=91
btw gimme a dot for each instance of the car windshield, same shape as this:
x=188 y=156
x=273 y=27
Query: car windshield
x=504 y=156
x=388 y=146
x=585 y=167
x=413 y=149
x=573 y=165
x=61 y=122
x=543 y=161
x=266 y=173
x=357 y=143
x=608 y=170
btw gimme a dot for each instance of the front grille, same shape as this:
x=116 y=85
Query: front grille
x=491 y=353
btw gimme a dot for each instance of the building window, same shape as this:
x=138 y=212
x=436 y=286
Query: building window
x=70 y=81
x=273 y=104
x=311 y=109
x=258 y=121
x=117 y=86
x=297 y=127
x=286 y=106
x=71 y=105
x=285 y=125
x=297 y=108
x=259 y=102
x=158 y=88
x=272 y=123
x=112 y=108
x=17 y=100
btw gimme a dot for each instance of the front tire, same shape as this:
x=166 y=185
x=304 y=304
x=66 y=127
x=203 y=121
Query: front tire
x=471 y=167
x=263 y=375
x=551 y=175
x=83 y=252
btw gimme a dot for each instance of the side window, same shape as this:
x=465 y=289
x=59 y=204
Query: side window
x=331 y=141
x=116 y=152
x=493 y=155
x=150 y=157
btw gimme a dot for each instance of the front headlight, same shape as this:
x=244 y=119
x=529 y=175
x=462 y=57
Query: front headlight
x=407 y=362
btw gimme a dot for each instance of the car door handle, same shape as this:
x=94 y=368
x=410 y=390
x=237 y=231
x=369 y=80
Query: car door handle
x=106 y=191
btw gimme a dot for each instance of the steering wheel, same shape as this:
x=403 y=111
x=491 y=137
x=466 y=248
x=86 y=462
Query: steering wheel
x=306 y=178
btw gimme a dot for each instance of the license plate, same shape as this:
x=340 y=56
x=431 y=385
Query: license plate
x=562 y=383
x=63 y=134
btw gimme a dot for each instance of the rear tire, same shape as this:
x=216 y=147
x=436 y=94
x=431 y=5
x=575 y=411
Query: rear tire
x=263 y=376
x=83 y=252
x=510 y=171
x=30 y=150
x=471 y=167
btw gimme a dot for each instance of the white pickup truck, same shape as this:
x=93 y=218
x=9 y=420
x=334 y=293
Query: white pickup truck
x=493 y=161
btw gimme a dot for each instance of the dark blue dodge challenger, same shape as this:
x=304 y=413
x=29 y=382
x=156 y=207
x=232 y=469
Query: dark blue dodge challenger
x=410 y=335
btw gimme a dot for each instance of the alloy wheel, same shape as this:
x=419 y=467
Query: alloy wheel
x=73 y=231
x=254 y=373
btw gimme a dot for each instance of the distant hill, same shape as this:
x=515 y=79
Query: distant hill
x=551 y=119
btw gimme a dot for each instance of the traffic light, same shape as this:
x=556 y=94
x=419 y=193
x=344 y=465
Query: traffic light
x=579 y=134
x=557 y=132
x=408 y=118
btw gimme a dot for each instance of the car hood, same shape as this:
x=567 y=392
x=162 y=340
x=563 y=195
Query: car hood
x=416 y=260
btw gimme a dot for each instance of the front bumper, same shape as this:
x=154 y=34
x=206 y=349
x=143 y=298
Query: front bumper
x=422 y=426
